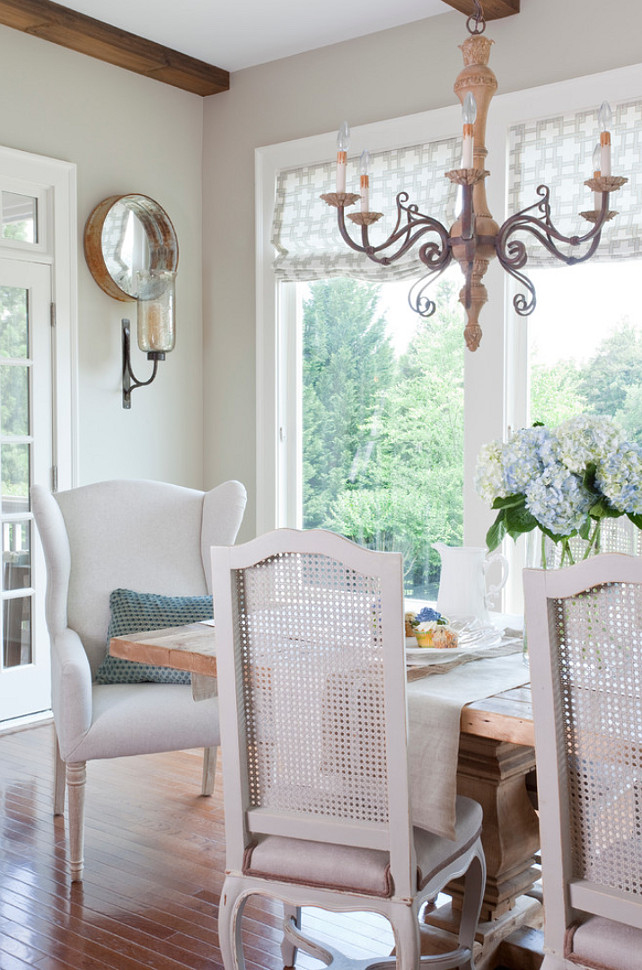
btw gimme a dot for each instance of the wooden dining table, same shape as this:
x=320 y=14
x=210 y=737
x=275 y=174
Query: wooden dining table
x=496 y=767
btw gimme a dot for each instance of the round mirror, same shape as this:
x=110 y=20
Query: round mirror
x=127 y=237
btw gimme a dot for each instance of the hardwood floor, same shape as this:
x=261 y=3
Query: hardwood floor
x=154 y=860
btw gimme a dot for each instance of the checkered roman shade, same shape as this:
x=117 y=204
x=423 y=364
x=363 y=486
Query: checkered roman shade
x=304 y=230
x=558 y=152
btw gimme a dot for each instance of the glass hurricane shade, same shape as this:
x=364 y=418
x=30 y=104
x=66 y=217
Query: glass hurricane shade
x=156 y=311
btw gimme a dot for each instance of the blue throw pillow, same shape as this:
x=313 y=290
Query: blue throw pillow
x=132 y=612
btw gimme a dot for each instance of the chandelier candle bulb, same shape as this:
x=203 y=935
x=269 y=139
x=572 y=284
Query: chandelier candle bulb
x=365 y=182
x=469 y=114
x=343 y=143
x=597 y=171
x=605 y=117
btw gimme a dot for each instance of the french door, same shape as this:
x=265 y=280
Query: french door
x=26 y=446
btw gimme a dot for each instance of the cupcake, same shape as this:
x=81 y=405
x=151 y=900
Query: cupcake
x=409 y=619
x=431 y=629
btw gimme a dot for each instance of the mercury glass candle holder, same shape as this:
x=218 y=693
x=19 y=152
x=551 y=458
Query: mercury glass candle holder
x=156 y=311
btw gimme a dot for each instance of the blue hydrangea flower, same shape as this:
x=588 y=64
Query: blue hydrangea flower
x=558 y=500
x=619 y=478
x=524 y=458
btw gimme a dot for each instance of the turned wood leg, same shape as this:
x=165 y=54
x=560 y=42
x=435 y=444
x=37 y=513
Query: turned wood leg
x=59 y=780
x=288 y=948
x=494 y=773
x=76 y=777
x=209 y=770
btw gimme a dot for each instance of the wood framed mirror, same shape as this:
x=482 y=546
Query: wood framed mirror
x=126 y=237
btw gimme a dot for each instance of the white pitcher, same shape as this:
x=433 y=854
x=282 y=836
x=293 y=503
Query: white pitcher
x=462 y=586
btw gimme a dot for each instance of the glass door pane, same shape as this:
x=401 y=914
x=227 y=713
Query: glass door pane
x=25 y=456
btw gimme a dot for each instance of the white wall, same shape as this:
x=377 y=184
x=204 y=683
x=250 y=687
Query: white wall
x=126 y=134
x=392 y=73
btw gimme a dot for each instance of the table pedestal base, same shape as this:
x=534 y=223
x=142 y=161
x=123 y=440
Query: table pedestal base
x=443 y=923
x=494 y=774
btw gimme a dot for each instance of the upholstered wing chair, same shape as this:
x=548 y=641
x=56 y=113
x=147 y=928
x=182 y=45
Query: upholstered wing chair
x=148 y=537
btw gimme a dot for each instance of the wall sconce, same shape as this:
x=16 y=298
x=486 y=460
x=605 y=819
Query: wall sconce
x=132 y=252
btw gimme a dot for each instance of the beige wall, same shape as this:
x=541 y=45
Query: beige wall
x=129 y=134
x=125 y=133
x=385 y=75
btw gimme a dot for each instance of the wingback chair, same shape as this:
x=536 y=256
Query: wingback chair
x=585 y=648
x=148 y=537
x=313 y=725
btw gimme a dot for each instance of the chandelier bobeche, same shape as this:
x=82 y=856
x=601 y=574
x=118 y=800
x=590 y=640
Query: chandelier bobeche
x=475 y=238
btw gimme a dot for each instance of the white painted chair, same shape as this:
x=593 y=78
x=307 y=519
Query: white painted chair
x=314 y=738
x=150 y=537
x=585 y=648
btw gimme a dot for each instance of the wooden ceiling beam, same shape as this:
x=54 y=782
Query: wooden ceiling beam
x=493 y=9
x=60 y=25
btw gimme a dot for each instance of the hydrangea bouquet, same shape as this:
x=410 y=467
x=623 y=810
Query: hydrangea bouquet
x=562 y=480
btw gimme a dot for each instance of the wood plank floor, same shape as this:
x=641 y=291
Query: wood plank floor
x=154 y=859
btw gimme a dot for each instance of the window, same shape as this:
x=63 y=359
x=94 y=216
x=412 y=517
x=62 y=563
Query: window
x=498 y=376
x=381 y=450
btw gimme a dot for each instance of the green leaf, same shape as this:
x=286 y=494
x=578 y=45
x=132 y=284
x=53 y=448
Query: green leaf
x=510 y=500
x=635 y=519
x=519 y=520
x=588 y=479
x=602 y=509
x=496 y=532
x=585 y=528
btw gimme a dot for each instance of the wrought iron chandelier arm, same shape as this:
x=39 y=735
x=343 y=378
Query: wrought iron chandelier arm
x=546 y=233
x=512 y=252
x=407 y=236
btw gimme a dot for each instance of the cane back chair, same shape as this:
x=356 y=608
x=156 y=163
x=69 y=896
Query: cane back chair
x=314 y=740
x=584 y=628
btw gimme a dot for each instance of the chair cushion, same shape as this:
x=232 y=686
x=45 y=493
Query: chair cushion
x=359 y=870
x=604 y=944
x=132 y=612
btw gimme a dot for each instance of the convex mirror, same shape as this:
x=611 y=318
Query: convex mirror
x=127 y=237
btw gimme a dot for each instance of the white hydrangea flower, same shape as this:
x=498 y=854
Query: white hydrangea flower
x=586 y=440
x=489 y=472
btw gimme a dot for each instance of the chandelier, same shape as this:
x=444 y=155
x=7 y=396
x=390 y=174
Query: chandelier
x=475 y=238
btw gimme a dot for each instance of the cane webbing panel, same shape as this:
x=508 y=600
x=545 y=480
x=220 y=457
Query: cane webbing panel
x=310 y=645
x=598 y=635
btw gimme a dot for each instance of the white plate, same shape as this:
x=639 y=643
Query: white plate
x=472 y=634
x=416 y=654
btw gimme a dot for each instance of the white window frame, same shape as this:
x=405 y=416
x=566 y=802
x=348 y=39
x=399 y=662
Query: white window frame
x=53 y=183
x=495 y=376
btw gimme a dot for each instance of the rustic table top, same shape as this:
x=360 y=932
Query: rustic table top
x=506 y=716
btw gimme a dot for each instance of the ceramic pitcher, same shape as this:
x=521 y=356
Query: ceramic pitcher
x=462 y=586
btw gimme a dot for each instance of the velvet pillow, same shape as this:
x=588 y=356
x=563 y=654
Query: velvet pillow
x=132 y=612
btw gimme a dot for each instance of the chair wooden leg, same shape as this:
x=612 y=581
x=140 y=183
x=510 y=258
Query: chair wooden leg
x=230 y=912
x=475 y=881
x=76 y=777
x=405 y=926
x=59 y=780
x=209 y=770
x=288 y=948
